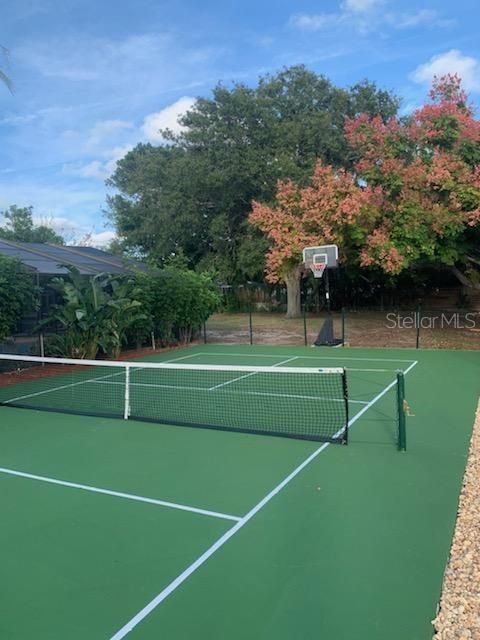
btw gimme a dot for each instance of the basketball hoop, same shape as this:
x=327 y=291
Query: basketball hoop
x=318 y=259
x=318 y=269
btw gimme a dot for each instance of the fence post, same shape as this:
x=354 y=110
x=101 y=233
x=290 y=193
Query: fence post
x=250 y=326
x=343 y=326
x=418 y=316
x=205 y=332
x=153 y=341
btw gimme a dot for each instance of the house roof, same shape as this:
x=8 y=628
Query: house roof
x=47 y=259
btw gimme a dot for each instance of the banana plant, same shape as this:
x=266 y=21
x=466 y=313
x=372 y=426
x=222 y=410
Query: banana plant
x=95 y=313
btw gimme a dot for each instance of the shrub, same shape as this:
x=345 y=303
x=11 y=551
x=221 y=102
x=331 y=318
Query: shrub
x=178 y=301
x=18 y=294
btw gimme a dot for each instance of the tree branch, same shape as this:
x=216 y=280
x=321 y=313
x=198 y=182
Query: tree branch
x=462 y=278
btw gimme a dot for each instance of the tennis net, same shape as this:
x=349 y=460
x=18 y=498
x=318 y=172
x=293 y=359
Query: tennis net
x=296 y=402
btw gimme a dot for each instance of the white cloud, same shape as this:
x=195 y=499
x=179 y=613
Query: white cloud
x=166 y=119
x=79 y=89
x=360 y=6
x=65 y=227
x=99 y=169
x=453 y=61
x=103 y=238
x=114 y=155
x=92 y=239
x=75 y=233
x=365 y=16
x=94 y=169
x=104 y=166
x=106 y=129
x=54 y=222
x=89 y=59
x=317 y=22
x=421 y=18
x=351 y=11
x=408 y=20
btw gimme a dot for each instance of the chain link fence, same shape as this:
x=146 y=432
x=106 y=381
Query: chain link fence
x=257 y=315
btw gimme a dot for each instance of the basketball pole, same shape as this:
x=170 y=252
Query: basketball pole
x=327 y=290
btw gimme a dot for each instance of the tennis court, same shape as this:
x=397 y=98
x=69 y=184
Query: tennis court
x=118 y=528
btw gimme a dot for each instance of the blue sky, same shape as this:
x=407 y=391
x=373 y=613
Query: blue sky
x=92 y=78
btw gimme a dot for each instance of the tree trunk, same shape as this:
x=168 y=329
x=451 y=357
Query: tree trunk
x=292 y=280
x=464 y=280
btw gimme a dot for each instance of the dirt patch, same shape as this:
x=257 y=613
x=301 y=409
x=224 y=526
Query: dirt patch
x=363 y=328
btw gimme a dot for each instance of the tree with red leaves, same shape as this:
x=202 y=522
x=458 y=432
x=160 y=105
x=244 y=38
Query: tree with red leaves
x=412 y=200
x=329 y=210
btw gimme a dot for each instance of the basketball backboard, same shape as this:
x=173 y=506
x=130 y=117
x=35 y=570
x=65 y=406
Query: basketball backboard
x=328 y=251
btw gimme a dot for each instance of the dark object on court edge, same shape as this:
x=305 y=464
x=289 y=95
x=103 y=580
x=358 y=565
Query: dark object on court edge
x=326 y=337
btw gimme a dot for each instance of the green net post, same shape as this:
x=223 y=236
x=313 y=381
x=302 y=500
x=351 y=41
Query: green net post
x=402 y=427
x=345 y=399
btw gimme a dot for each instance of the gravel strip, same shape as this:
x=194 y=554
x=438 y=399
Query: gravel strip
x=459 y=613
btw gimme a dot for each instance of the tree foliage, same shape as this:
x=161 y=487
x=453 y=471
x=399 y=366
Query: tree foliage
x=96 y=313
x=412 y=198
x=177 y=302
x=194 y=193
x=424 y=181
x=20 y=227
x=18 y=294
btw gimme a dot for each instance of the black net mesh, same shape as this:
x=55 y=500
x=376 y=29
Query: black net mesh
x=282 y=401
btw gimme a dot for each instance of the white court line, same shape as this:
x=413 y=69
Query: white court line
x=65 y=386
x=291 y=395
x=224 y=384
x=143 y=613
x=153 y=385
x=74 y=384
x=192 y=355
x=375 y=399
x=119 y=494
x=242 y=393
x=371 y=370
x=302 y=357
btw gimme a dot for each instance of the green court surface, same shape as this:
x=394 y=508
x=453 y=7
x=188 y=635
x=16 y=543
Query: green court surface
x=118 y=528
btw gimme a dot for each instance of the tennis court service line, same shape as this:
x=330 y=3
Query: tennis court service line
x=120 y=494
x=153 y=604
x=224 y=384
x=302 y=357
x=243 y=393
